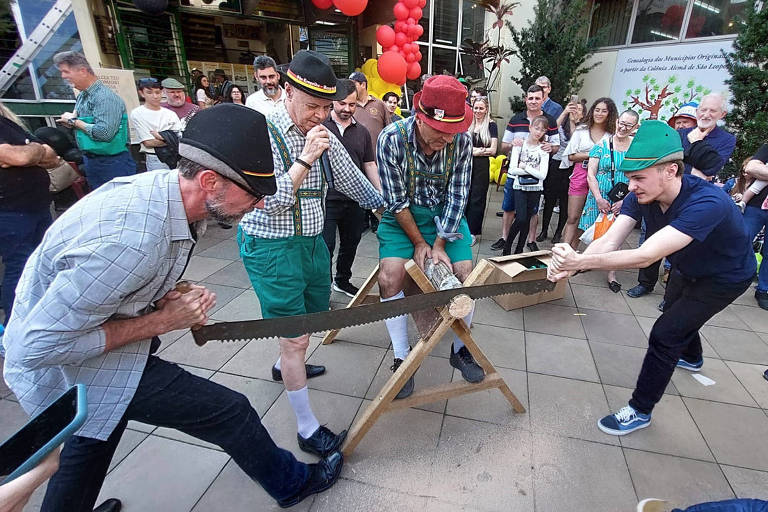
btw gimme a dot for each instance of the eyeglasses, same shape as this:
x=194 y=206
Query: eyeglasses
x=627 y=126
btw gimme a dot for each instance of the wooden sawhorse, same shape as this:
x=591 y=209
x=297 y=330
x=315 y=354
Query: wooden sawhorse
x=429 y=338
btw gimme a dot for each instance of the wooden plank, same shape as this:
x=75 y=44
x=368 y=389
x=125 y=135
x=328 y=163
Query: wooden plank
x=361 y=297
x=446 y=391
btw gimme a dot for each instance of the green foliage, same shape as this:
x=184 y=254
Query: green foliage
x=555 y=44
x=748 y=67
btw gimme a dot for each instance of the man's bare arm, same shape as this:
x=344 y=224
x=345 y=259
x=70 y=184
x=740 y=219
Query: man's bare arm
x=757 y=169
x=372 y=172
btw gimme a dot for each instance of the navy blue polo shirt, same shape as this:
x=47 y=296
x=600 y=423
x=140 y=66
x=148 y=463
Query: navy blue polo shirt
x=718 y=139
x=721 y=248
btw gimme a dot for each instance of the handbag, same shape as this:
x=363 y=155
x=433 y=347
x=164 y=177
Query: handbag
x=603 y=224
x=527 y=179
x=103 y=148
x=619 y=190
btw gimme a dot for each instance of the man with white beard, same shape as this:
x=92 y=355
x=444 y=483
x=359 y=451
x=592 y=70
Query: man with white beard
x=270 y=94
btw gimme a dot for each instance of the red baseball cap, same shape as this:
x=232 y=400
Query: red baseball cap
x=442 y=104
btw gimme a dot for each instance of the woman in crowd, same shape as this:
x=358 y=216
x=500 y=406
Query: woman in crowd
x=528 y=166
x=556 y=185
x=599 y=124
x=235 y=95
x=602 y=175
x=485 y=137
x=392 y=101
x=203 y=92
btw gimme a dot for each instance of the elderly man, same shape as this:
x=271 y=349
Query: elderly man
x=282 y=245
x=176 y=94
x=548 y=105
x=425 y=164
x=95 y=296
x=270 y=94
x=708 y=136
x=100 y=119
x=688 y=217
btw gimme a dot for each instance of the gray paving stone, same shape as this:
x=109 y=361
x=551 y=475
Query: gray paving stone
x=128 y=442
x=354 y=495
x=212 y=355
x=732 y=432
x=599 y=297
x=727 y=318
x=225 y=249
x=558 y=320
x=489 y=313
x=647 y=305
x=613 y=328
x=737 y=344
x=559 y=356
x=244 y=306
x=200 y=267
x=12 y=418
x=683 y=482
x=180 y=473
x=566 y=407
x=747 y=483
x=755 y=318
x=751 y=377
x=353 y=366
x=224 y=295
x=504 y=347
x=233 y=274
x=727 y=387
x=562 y=481
x=617 y=365
x=672 y=430
x=490 y=405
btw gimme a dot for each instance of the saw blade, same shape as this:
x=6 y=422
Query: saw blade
x=293 y=326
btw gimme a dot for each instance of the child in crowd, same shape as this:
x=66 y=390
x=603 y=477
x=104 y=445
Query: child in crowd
x=528 y=166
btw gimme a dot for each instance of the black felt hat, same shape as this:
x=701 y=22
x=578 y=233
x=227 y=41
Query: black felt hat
x=312 y=73
x=233 y=141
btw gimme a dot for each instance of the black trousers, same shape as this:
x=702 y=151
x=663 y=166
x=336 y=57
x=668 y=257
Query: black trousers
x=689 y=304
x=556 y=189
x=649 y=275
x=525 y=204
x=349 y=218
x=478 y=192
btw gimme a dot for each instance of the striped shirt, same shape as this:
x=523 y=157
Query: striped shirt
x=106 y=108
x=431 y=188
x=276 y=219
x=519 y=127
x=111 y=255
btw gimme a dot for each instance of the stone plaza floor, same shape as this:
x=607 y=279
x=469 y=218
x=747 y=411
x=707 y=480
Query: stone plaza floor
x=570 y=362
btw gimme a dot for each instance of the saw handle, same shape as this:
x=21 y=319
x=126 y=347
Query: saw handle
x=186 y=287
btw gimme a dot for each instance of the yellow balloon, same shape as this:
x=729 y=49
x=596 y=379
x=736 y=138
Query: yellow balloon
x=495 y=169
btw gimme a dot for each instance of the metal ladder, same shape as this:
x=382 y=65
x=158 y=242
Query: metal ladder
x=34 y=43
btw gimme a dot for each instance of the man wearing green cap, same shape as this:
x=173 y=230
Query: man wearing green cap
x=700 y=230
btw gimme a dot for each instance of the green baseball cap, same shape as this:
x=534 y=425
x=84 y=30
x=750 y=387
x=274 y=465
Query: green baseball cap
x=172 y=83
x=654 y=143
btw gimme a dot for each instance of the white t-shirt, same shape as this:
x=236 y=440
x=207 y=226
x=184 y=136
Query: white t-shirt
x=581 y=142
x=145 y=121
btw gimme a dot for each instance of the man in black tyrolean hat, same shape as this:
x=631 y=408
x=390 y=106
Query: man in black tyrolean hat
x=282 y=244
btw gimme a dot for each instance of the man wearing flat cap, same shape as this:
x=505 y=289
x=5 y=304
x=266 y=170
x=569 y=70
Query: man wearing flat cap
x=100 y=289
x=702 y=233
x=282 y=244
x=425 y=165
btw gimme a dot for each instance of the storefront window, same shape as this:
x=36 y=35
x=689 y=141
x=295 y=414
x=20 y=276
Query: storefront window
x=472 y=22
x=443 y=60
x=612 y=18
x=446 y=22
x=424 y=21
x=715 y=18
x=658 y=20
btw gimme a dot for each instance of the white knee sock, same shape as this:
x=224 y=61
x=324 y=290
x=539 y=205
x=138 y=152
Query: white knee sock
x=398 y=330
x=457 y=343
x=277 y=364
x=306 y=423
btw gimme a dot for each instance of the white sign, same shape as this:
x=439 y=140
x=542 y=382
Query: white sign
x=121 y=81
x=656 y=81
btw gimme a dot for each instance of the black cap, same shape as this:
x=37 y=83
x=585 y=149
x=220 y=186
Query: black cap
x=233 y=141
x=312 y=73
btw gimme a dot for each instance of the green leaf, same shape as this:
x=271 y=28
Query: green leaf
x=637 y=91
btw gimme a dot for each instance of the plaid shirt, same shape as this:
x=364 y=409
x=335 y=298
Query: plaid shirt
x=430 y=189
x=276 y=219
x=112 y=255
x=106 y=108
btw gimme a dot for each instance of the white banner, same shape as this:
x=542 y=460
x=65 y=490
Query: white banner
x=656 y=81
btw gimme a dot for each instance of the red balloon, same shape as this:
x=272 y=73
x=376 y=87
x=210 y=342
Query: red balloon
x=418 y=56
x=322 y=4
x=422 y=3
x=416 y=13
x=401 y=26
x=419 y=30
x=412 y=32
x=401 y=39
x=414 y=71
x=401 y=11
x=410 y=21
x=385 y=35
x=392 y=67
x=411 y=57
x=393 y=48
x=411 y=3
x=351 y=7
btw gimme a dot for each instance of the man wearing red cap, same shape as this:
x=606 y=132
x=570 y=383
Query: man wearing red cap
x=425 y=164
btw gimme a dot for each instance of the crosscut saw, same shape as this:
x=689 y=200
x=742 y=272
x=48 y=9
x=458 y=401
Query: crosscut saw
x=293 y=326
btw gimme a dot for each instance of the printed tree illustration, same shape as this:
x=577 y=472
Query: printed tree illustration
x=662 y=100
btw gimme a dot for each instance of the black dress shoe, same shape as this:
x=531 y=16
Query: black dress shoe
x=542 y=236
x=499 y=214
x=498 y=244
x=321 y=477
x=111 y=505
x=532 y=246
x=639 y=291
x=313 y=370
x=322 y=442
x=407 y=389
x=556 y=239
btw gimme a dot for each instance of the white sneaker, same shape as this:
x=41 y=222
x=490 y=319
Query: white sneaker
x=653 y=505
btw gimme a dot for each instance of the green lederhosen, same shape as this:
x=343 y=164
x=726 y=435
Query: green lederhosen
x=291 y=276
x=393 y=242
